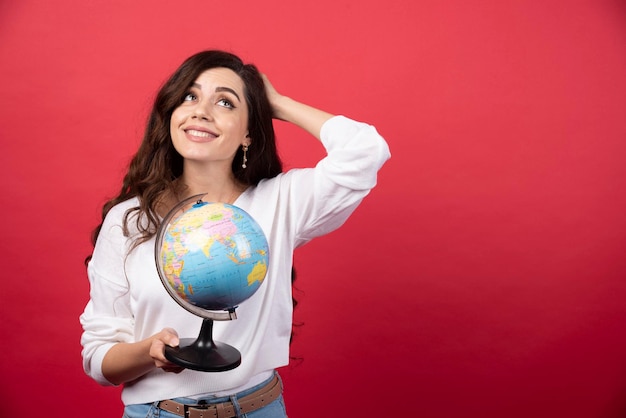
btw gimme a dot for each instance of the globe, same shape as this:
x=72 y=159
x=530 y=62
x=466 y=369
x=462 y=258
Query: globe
x=211 y=257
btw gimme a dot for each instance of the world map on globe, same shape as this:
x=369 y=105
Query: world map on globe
x=213 y=255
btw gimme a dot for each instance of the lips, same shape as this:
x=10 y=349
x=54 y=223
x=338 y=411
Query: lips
x=197 y=133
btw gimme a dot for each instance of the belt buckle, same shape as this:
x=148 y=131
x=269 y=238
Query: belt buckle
x=186 y=408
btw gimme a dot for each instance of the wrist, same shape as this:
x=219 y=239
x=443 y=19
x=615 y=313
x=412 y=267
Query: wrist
x=280 y=107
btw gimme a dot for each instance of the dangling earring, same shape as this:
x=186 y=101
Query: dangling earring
x=245 y=155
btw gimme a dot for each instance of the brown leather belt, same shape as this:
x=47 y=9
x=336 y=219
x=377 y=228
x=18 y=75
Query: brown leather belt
x=255 y=400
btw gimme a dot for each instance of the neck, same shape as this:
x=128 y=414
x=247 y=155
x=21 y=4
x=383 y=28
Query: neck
x=218 y=184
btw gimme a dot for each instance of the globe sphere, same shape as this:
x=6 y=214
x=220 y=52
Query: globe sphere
x=211 y=256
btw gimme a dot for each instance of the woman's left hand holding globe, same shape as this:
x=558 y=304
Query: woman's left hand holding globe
x=125 y=362
x=167 y=336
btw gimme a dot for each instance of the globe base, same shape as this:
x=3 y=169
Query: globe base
x=203 y=354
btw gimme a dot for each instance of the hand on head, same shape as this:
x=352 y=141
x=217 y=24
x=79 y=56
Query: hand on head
x=272 y=95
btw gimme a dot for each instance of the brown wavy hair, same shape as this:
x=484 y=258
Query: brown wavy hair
x=154 y=170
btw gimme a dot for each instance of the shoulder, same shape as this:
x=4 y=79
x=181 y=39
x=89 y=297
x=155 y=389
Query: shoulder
x=115 y=221
x=273 y=188
x=118 y=212
x=283 y=180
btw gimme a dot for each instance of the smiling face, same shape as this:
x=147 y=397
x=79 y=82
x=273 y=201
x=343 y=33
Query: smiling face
x=212 y=121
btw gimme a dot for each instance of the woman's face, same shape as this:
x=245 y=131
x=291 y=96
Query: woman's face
x=212 y=122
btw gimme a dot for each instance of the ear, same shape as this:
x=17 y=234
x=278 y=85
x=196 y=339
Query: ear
x=247 y=141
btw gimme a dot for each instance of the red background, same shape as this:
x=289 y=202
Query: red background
x=484 y=276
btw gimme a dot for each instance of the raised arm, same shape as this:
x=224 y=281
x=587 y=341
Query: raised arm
x=285 y=108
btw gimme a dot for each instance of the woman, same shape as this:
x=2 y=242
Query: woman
x=210 y=131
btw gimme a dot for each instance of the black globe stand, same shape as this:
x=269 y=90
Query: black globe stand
x=204 y=354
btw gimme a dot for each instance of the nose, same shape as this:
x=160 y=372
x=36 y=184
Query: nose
x=201 y=111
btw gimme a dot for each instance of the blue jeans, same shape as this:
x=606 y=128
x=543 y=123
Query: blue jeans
x=275 y=409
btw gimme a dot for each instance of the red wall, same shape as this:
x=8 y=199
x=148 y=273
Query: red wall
x=484 y=276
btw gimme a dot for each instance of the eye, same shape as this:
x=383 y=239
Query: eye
x=189 y=97
x=226 y=103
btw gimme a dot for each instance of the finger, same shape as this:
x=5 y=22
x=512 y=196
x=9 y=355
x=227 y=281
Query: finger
x=269 y=87
x=172 y=369
x=157 y=352
x=170 y=337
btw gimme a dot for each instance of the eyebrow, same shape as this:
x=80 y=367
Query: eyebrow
x=220 y=89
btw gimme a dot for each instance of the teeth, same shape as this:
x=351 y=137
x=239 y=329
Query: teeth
x=198 y=133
